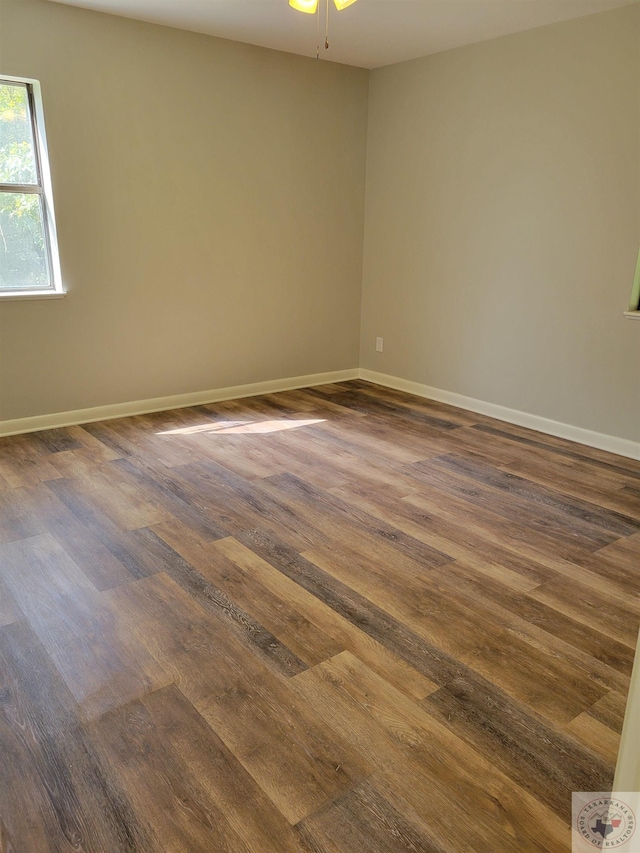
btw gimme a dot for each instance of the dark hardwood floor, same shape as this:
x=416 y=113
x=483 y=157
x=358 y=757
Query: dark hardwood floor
x=339 y=620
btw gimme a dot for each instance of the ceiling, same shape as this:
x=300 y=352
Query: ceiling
x=368 y=34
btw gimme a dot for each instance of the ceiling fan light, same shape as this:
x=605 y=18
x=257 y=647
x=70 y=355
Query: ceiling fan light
x=342 y=4
x=308 y=6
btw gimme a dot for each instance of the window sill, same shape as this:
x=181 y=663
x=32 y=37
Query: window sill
x=632 y=315
x=17 y=296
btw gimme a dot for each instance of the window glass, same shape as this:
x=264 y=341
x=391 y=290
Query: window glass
x=17 y=152
x=23 y=251
x=28 y=250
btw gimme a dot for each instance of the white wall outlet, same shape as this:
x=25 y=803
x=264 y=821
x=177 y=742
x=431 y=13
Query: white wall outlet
x=378 y=344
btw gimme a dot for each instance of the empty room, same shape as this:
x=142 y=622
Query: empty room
x=319 y=426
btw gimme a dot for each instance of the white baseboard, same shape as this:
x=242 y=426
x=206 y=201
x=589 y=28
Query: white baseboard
x=177 y=401
x=610 y=443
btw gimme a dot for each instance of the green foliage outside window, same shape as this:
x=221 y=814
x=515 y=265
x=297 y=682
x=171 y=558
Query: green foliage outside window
x=22 y=239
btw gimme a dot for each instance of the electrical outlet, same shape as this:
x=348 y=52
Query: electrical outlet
x=378 y=344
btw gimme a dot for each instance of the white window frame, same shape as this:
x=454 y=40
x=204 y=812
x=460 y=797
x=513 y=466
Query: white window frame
x=44 y=189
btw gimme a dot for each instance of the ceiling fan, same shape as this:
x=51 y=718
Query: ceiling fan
x=313 y=6
x=310 y=6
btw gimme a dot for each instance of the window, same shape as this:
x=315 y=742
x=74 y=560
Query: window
x=634 y=305
x=29 y=263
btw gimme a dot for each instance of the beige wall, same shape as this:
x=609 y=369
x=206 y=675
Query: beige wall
x=503 y=220
x=209 y=198
x=210 y=202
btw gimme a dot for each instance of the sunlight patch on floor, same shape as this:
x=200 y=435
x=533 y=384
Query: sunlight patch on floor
x=242 y=427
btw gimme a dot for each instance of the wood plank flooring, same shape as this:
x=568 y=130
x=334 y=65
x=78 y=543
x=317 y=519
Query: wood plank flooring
x=336 y=620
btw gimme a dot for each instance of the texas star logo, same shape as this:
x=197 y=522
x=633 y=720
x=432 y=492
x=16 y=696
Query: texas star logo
x=606 y=823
